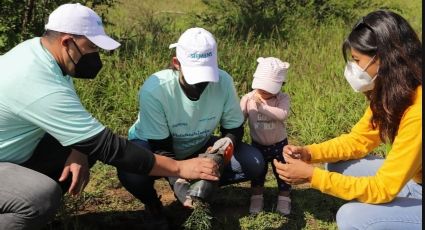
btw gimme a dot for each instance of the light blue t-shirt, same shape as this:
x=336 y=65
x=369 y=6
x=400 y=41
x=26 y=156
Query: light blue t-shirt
x=36 y=98
x=165 y=110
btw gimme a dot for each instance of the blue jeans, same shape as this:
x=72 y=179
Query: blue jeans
x=246 y=163
x=404 y=212
x=271 y=152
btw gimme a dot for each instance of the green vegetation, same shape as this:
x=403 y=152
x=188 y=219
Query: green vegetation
x=200 y=218
x=20 y=20
x=308 y=34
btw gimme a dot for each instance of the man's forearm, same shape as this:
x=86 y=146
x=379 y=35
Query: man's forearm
x=112 y=149
x=127 y=156
x=165 y=166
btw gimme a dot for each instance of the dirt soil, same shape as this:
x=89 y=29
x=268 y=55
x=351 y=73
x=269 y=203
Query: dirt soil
x=101 y=212
x=115 y=208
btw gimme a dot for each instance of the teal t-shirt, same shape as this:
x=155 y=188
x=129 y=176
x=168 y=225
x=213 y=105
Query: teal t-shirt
x=35 y=98
x=165 y=110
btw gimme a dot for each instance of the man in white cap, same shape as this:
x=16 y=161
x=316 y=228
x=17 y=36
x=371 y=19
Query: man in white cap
x=179 y=110
x=46 y=135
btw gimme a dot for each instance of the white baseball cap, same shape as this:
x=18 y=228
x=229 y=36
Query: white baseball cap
x=80 y=20
x=270 y=74
x=196 y=51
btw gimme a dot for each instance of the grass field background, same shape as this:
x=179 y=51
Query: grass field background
x=323 y=106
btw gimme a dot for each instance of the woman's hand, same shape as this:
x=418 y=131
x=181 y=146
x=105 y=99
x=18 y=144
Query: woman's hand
x=198 y=168
x=295 y=171
x=296 y=152
x=77 y=165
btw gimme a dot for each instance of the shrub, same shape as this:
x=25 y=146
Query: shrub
x=265 y=18
x=20 y=20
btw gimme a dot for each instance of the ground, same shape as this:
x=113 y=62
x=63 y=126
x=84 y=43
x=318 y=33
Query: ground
x=105 y=204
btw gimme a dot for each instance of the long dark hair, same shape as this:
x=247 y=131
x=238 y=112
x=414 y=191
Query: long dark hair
x=390 y=37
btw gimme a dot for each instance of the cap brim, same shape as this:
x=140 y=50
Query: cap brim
x=266 y=85
x=197 y=74
x=174 y=45
x=104 y=42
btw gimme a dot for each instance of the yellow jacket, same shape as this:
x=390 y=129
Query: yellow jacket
x=403 y=162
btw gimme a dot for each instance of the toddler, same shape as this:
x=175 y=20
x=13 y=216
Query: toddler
x=266 y=109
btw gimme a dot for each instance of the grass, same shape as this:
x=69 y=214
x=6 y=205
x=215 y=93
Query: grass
x=322 y=102
x=200 y=218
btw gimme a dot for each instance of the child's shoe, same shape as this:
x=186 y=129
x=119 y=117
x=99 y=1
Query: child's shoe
x=257 y=204
x=284 y=205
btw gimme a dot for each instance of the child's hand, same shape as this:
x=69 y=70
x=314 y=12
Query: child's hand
x=258 y=99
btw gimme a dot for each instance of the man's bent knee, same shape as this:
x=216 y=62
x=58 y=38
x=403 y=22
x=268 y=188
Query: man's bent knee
x=28 y=199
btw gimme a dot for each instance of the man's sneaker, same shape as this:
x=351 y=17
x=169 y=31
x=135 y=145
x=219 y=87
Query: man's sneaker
x=257 y=204
x=284 y=205
x=156 y=219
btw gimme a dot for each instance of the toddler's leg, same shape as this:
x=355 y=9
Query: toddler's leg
x=257 y=185
x=283 y=199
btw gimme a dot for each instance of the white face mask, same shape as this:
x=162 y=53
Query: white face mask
x=358 y=78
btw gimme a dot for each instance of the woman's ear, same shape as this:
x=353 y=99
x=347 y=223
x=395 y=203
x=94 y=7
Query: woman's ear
x=176 y=63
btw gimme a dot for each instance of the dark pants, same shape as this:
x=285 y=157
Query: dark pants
x=271 y=152
x=49 y=159
x=246 y=164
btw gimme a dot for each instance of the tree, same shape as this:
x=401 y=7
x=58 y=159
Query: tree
x=23 y=19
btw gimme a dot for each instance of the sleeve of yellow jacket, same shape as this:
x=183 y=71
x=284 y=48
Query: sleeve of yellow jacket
x=403 y=162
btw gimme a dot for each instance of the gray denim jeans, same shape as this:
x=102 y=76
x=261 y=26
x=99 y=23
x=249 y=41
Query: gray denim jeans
x=28 y=199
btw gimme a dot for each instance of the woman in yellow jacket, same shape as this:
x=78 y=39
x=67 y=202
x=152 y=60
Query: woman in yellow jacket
x=386 y=65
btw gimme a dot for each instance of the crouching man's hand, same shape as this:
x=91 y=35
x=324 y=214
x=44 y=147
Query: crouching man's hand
x=77 y=166
x=223 y=146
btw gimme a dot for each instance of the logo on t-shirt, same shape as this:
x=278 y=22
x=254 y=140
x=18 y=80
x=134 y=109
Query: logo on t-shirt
x=264 y=122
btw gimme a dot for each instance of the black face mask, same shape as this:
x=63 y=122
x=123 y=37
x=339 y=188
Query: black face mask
x=193 y=92
x=88 y=66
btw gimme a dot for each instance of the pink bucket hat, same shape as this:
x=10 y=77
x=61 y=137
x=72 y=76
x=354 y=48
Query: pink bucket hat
x=270 y=74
